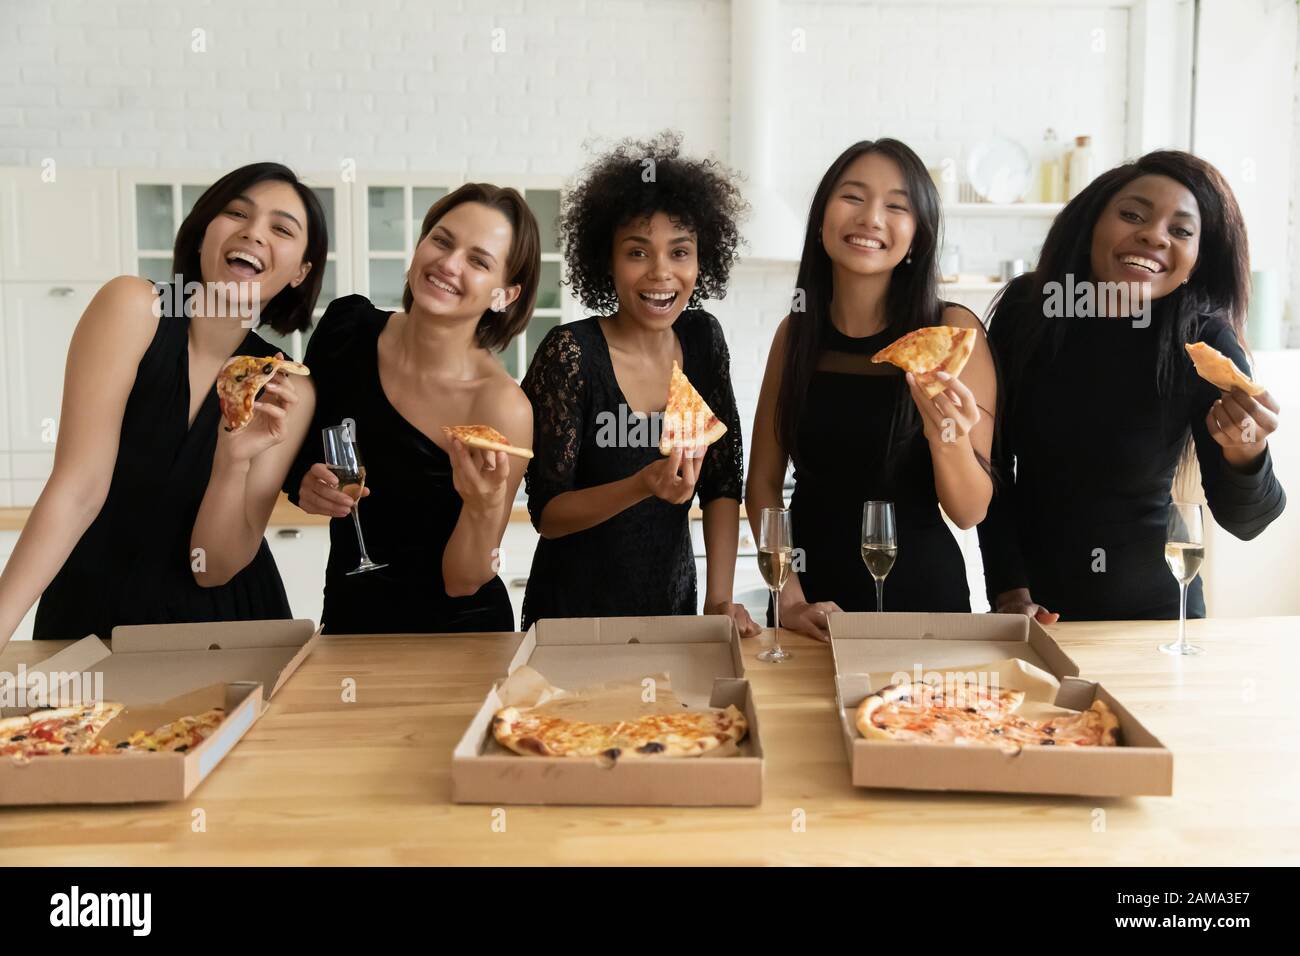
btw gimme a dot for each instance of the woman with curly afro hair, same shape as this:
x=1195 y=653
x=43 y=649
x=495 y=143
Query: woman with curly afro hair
x=648 y=235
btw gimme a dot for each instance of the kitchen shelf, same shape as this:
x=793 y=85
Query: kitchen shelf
x=1003 y=209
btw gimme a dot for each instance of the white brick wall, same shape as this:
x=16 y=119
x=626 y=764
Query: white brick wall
x=401 y=84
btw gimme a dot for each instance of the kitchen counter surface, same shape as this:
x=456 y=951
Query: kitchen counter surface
x=319 y=781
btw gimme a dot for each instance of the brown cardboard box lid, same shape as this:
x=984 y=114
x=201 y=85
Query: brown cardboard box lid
x=157 y=662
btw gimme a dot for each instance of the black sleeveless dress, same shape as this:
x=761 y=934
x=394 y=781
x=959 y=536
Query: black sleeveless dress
x=132 y=566
x=413 y=506
x=840 y=463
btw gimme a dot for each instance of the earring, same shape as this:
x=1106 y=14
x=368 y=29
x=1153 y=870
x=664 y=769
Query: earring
x=1185 y=280
x=908 y=260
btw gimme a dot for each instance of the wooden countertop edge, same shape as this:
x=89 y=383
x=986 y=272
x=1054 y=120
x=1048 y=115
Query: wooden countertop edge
x=284 y=515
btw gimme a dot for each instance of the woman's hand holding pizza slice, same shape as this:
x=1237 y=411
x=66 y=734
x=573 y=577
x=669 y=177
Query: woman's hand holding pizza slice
x=262 y=426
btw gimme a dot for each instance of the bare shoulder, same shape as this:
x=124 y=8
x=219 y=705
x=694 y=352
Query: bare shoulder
x=961 y=316
x=503 y=403
x=126 y=310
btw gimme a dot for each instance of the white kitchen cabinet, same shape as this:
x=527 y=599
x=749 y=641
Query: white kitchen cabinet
x=8 y=540
x=39 y=319
x=58 y=224
x=301 y=553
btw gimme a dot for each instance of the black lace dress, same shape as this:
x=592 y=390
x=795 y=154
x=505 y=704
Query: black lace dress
x=640 y=562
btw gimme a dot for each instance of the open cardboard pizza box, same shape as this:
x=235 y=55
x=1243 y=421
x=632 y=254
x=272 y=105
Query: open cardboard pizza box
x=160 y=672
x=865 y=644
x=701 y=655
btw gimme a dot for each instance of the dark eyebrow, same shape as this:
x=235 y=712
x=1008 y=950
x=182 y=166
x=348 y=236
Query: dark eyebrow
x=1180 y=214
x=274 y=212
x=863 y=186
x=452 y=236
x=680 y=240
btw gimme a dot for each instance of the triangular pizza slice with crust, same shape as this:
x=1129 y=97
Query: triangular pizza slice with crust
x=688 y=422
x=1219 y=370
x=928 y=351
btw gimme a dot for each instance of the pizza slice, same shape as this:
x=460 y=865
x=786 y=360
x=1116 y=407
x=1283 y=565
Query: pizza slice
x=682 y=734
x=1219 y=370
x=928 y=351
x=486 y=438
x=178 y=736
x=239 y=381
x=688 y=422
x=58 y=730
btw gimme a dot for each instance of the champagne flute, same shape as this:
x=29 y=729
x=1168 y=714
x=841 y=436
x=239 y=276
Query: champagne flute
x=879 y=544
x=344 y=459
x=775 y=556
x=1184 y=552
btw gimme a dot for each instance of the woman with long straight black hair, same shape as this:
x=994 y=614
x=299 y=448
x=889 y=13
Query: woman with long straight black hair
x=859 y=431
x=1102 y=404
x=142 y=462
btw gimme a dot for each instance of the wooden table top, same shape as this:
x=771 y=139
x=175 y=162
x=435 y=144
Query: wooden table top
x=319 y=781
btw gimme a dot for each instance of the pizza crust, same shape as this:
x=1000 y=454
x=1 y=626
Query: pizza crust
x=927 y=351
x=486 y=438
x=1219 y=370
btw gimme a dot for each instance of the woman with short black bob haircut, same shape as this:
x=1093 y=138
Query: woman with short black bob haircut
x=1103 y=403
x=859 y=431
x=153 y=513
x=438 y=509
x=648 y=235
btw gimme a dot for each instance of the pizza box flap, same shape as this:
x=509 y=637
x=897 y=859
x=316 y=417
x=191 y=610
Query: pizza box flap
x=575 y=652
x=219 y=635
x=680 y=629
x=50 y=679
x=862 y=643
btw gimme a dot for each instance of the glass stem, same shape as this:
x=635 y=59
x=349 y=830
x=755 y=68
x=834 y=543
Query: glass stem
x=361 y=541
x=776 y=617
x=880 y=595
x=1182 y=615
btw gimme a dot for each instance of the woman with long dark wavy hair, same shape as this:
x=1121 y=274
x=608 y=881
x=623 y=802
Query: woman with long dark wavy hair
x=1102 y=403
x=859 y=431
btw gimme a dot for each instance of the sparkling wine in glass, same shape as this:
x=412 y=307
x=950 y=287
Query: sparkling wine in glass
x=1184 y=552
x=343 y=458
x=775 y=557
x=879 y=544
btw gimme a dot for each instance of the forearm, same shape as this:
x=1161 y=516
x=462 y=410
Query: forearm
x=963 y=486
x=721 y=542
x=56 y=523
x=576 y=511
x=223 y=536
x=469 y=559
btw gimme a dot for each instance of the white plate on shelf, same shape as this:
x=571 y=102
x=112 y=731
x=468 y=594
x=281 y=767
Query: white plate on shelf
x=1000 y=170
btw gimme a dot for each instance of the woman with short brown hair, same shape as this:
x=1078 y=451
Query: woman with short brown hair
x=439 y=509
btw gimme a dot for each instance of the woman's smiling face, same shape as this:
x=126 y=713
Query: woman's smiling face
x=1150 y=231
x=654 y=263
x=868 y=226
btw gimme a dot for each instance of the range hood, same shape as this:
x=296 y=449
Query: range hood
x=773 y=230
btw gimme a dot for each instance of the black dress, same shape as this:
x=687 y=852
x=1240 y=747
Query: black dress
x=1095 y=448
x=840 y=463
x=639 y=562
x=132 y=565
x=413 y=506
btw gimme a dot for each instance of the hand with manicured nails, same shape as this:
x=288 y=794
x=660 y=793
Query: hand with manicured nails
x=1018 y=601
x=318 y=493
x=479 y=477
x=672 y=478
x=812 y=620
x=268 y=425
x=955 y=404
x=1227 y=422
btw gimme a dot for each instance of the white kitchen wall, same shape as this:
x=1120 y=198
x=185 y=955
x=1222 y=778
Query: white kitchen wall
x=399 y=84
